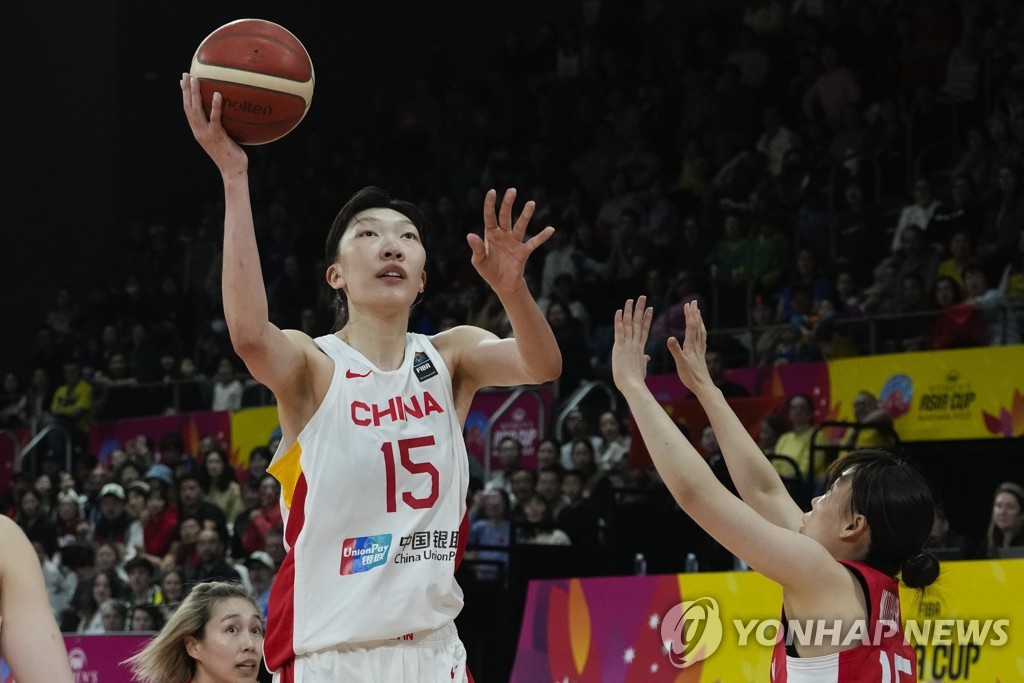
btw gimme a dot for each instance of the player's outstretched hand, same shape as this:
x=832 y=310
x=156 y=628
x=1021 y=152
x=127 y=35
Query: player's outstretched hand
x=208 y=130
x=500 y=255
x=629 y=362
x=691 y=365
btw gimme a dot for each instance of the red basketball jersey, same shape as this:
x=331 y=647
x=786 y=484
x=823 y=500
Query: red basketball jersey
x=883 y=655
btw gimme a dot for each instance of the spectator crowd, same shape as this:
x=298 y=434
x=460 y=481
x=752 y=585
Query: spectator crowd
x=827 y=178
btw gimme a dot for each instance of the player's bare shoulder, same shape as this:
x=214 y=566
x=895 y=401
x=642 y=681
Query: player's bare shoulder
x=456 y=342
x=301 y=340
x=314 y=377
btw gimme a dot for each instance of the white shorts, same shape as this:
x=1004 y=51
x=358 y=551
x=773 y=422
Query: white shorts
x=436 y=656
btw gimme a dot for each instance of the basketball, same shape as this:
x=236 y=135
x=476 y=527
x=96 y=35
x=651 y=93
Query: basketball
x=264 y=75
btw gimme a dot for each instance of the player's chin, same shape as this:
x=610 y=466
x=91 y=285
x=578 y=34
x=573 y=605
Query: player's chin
x=392 y=296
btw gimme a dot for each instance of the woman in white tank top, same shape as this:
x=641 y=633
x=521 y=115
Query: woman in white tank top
x=376 y=258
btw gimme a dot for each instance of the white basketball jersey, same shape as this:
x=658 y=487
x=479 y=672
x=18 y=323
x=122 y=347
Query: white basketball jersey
x=374 y=502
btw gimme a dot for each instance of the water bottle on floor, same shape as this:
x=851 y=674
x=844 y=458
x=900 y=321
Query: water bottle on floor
x=640 y=565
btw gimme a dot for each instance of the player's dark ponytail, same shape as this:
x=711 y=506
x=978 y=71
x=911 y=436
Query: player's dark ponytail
x=920 y=571
x=339 y=306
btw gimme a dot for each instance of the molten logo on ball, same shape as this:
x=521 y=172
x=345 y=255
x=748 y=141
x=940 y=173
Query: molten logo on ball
x=692 y=631
x=248 y=107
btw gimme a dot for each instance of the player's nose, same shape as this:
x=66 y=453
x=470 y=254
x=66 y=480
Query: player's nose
x=391 y=247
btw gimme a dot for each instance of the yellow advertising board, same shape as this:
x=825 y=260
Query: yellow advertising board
x=722 y=627
x=251 y=427
x=743 y=598
x=957 y=394
x=969 y=626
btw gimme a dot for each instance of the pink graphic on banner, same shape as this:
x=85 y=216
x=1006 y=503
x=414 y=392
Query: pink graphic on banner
x=522 y=421
x=668 y=387
x=107 y=436
x=778 y=381
x=810 y=379
x=593 y=630
x=689 y=415
x=770 y=387
x=95 y=659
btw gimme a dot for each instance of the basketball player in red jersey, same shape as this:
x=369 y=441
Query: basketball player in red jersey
x=838 y=563
x=372 y=463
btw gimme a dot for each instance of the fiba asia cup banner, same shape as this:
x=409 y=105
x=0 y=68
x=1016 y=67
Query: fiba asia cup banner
x=718 y=627
x=960 y=394
x=523 y=416
x=934 y=395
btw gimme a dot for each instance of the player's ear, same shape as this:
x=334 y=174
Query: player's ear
x=335 y=278
x=192 y=646
x=856 y=527
x=423 y=280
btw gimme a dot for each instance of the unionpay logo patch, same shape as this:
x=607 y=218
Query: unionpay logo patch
x=364 y=553
x=423 y=366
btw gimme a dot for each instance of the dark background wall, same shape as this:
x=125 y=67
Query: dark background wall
x=96 y=135
x=59 y=191
x=96 y=138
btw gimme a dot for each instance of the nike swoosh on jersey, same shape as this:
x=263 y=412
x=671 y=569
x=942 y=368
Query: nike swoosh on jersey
x=352 y=375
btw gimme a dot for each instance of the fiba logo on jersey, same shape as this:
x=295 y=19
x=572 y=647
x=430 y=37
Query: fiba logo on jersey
x=692 y=631
x=423 y=367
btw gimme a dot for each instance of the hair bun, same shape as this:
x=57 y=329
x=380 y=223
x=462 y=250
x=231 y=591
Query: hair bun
x=921 y=570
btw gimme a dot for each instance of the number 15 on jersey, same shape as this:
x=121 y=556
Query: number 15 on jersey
x=413 y=468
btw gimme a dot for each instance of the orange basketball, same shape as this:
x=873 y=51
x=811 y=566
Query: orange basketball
x=264 y=75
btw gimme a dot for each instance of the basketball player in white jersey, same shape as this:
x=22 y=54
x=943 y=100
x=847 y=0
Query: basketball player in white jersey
x=372 y=463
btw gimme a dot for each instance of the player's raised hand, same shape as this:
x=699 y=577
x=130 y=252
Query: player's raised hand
x=691 y=365
x=629 y=362
x=208 y=130
x=500 y=255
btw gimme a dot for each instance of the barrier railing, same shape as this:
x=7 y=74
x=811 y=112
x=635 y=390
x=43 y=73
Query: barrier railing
x=826 y=451
x=873 y=334
x=37 y=439
x=586 y=388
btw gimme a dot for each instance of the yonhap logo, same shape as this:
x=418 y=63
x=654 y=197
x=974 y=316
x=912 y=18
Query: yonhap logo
x=692 y=631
